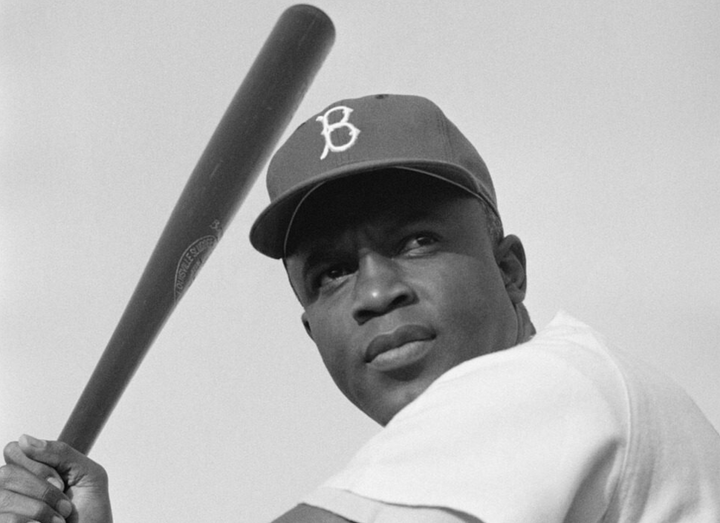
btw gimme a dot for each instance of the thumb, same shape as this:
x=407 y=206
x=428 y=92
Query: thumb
x=75 y=468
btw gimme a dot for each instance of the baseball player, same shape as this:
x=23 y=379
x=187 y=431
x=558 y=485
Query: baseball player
x=387 y=222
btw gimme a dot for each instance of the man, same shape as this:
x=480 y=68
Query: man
x=387 y=222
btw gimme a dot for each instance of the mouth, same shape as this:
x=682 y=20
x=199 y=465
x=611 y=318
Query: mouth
x=399 y=348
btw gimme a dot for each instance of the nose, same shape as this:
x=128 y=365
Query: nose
x=380 y=287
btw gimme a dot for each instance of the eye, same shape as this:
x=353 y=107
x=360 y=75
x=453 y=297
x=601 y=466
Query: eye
x=419 y=243
x=331 y=275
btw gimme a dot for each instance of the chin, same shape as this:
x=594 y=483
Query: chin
x=395 y=400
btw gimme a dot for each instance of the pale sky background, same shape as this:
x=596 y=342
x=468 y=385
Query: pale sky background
x=599 y=120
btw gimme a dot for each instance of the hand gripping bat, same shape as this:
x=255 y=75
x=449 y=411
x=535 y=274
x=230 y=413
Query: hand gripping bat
x=237 y=151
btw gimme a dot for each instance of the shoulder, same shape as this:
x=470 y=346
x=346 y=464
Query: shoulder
x=564 y=368
x=536 y=422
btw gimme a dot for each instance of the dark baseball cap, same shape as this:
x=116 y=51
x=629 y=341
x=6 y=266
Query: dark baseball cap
x=352 y=137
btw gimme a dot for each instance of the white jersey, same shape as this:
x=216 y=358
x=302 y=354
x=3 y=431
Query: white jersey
x=558 y=429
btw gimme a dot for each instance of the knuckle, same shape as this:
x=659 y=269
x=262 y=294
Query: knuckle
x=62 y=450
x=60 y=447
x=47 y=494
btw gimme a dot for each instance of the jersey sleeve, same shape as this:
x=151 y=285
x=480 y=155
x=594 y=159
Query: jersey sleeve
x=534 y=433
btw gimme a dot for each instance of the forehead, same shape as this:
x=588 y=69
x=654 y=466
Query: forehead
x=389 y=197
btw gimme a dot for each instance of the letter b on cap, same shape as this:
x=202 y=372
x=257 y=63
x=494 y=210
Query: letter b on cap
x=329 y=128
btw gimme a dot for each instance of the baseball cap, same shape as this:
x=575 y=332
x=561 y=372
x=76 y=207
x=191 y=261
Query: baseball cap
x=361 y=135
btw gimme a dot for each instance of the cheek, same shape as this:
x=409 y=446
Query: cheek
x=470 y=300
x=334 y=340
x=462 y=284
x=330 y=337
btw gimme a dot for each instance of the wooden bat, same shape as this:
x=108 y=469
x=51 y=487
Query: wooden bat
x=237 y=151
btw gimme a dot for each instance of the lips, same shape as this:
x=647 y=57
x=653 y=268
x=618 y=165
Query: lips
x=401 y=347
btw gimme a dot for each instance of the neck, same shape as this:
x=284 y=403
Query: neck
x=526 y=329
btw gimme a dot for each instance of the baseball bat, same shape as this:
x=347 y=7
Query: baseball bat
x=237 y=151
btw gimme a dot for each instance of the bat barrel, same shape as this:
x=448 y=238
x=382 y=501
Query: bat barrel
x=237 y=151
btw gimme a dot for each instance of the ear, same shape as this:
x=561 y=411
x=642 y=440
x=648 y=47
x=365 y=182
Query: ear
x=510 y=258
x=306 y=324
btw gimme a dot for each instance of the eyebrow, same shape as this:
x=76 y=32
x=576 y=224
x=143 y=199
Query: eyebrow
x=313 y=255
x=317 y=257
x=322 y=244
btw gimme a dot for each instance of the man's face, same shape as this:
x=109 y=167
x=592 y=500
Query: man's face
x=399 y=282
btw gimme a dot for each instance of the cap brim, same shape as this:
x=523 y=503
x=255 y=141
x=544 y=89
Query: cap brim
x=269 y=232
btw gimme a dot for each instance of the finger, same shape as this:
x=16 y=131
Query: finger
x=15 y=455
x=18 y=507
x=73 y=467
x=20 y=486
